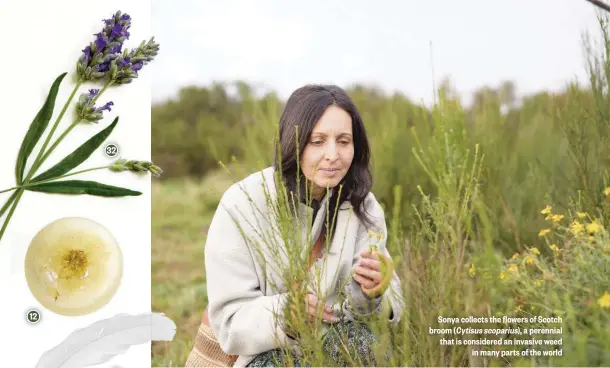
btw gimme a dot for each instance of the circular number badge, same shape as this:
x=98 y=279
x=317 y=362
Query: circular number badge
x=33 y=316
x=111 y=150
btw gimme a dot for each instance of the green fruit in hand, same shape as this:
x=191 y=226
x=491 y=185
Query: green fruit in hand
x=387 y=271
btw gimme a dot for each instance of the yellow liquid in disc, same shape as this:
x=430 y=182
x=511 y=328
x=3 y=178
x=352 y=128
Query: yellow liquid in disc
x=73 y=266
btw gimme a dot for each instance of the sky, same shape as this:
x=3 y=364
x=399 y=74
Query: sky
x=405 y=46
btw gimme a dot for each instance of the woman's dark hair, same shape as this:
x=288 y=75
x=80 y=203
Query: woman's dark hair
x=304 y=108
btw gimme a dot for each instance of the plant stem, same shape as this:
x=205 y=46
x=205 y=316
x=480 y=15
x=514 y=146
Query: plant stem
x=43 y=155
x=64 y=176
x=8 y=203
x=8 y=190
x=17 y=194
x=36 y=163
x=65 y=133
x=15 y=197
x=61 y=137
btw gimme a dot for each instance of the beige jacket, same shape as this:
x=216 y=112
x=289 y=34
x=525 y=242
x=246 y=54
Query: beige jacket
x=245 y=294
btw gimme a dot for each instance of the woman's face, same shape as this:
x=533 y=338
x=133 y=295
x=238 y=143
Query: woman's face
x=329 y=153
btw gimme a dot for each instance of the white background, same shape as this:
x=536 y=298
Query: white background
x=42 y=39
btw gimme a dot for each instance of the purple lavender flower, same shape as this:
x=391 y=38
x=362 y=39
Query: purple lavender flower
x=95 y=61
x=125 y=68
x=86 y=109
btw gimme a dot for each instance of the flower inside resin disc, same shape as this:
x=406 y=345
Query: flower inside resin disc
x=73 y=266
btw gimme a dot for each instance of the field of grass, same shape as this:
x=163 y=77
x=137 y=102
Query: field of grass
x=182 y=210
x=493 y=210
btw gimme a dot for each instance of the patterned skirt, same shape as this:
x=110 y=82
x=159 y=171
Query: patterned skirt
x=346 y=338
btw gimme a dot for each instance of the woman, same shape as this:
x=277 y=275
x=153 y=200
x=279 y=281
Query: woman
x=322 y=163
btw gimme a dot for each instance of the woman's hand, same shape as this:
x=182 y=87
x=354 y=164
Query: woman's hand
x=311 y=306
x=368 y=273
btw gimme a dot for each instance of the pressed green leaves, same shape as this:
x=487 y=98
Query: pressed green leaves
x=79 y=155
x=82 y=187
x=37 y=128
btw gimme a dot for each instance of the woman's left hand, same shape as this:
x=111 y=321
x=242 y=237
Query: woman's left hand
x=368 y=271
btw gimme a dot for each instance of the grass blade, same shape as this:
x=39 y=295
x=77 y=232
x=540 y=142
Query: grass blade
x=78 y=156
x=37 y=128
x=76 y=187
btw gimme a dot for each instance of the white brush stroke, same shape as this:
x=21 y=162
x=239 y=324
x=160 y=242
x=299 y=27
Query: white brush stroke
x=107 y=338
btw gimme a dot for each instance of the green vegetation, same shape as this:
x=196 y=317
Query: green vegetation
x=465 y=188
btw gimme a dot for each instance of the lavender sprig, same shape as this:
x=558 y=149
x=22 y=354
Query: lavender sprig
x=121 y=165
x=93 y=64
x=86 y=108
x=95 y=61
x=124 y=68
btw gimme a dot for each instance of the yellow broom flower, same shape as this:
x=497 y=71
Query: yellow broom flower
x=502 y=275
x=547 y=210
x=513 y=268
x=544 y=232
x=472 y=271
x=593 y=227
x=577 y=227
x=535 y=251
x=372 y=233
x=581 y=215
x=604 y=301
x=557 y=218
x=607 y=191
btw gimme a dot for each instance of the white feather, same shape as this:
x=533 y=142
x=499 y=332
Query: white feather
x=105 y=339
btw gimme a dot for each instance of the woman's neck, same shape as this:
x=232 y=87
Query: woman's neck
x=318 y=193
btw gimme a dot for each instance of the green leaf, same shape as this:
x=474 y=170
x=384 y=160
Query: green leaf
x=37 y=127
x=78 y=156
x=82 y=187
